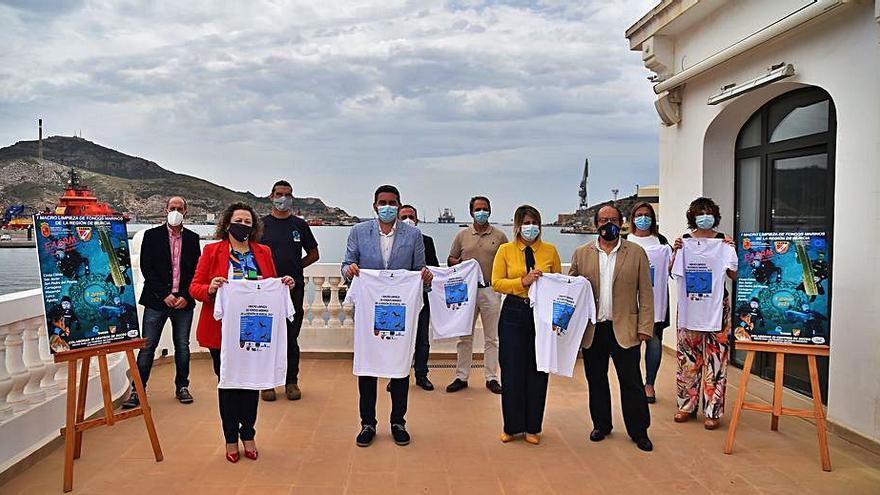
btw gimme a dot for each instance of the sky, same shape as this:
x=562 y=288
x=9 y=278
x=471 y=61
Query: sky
x=446 y=100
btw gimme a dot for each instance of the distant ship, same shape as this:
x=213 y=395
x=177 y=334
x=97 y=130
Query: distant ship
x=446 y=216
x=79 y=200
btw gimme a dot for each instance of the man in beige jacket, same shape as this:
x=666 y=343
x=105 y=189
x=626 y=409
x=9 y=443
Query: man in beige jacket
x=619 y=273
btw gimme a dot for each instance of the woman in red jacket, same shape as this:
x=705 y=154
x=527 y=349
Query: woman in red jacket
x=236 y=256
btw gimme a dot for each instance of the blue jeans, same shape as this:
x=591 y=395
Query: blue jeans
x=653 y=354
x=154 y=322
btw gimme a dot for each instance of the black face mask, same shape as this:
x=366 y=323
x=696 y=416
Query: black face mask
x=240 y=231
x=609 y=232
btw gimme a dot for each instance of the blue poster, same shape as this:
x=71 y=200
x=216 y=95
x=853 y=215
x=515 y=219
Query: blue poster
x=85 y=273
x=782 y=289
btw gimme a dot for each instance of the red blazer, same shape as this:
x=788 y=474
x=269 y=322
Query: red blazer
x=215 y=263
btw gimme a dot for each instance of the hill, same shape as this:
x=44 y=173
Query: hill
x=130 y=184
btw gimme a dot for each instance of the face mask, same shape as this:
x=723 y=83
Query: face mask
x=283 y=203
x=705 y=222
x=175 y=218
x=410 y=221
x=530 y=232
x=481 y=216
x=65 y=305
x=643 y=222
x=387 y=213
x=239 y=231
x=609 y=232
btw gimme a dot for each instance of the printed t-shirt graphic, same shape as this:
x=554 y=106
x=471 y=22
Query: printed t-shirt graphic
x=453 y=298
x=253 y=347
x=563 y=306
x=658 y=259
x=699 y=270
x=386 y=309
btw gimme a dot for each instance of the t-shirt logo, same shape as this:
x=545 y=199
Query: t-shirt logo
x=698 y=284
x=563 y=309
x=456 y=294
x=390 y=321
x=255 y=332
x=296 y=236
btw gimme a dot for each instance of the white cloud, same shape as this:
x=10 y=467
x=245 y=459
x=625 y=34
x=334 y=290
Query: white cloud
x=473 y=96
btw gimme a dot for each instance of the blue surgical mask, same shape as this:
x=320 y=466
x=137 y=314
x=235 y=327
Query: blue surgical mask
x=643 y=222
x=530 y=232
x=481 y=216
x=705 y=222
x=387 y=213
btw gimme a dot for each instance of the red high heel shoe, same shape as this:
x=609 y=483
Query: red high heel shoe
x=233 y=457
x=251 y=454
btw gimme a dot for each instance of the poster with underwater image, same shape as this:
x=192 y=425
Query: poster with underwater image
x=85 y=273
x=782 y=291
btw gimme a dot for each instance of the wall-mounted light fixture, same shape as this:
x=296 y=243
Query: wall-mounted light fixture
x=774 y=73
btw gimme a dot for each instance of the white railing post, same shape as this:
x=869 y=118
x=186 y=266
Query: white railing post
x=318 y=316
x=5 y=377
x=33 y=394
x=48 y=383
x=15 y=364
x=334 y=307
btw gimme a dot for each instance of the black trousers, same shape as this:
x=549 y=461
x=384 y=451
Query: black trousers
x=629 y=375
x=524 y=388
x=293 y=328
x=423 y=342
x=399 y=395
x=238 y=408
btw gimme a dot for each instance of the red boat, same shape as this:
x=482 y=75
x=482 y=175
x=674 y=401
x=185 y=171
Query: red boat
x=79 y=200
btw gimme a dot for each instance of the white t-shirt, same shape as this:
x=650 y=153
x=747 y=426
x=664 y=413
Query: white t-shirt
x=386 y=313
x=453 y=298
x=253 y=347
x=659 y=256
x=700 y=269
x=563 y=306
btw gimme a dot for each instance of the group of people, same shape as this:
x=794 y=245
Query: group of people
x=628 y=275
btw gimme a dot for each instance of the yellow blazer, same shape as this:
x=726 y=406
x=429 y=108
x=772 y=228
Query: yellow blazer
x=632 y=298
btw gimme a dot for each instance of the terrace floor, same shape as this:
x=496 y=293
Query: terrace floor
x=308 y=447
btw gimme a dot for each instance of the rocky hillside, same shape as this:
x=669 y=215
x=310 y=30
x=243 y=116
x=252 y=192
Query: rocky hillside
x=130 y=184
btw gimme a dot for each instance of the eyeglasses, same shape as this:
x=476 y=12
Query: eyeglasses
x=408 y=217
x=603 y=221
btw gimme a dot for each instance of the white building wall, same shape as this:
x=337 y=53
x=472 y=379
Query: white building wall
x=840 y=54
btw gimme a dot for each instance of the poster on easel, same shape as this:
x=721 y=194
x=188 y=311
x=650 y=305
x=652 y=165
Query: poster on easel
x=85 y=274
x=782 y=291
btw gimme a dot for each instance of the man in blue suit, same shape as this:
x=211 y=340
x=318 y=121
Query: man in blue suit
x=384 y=244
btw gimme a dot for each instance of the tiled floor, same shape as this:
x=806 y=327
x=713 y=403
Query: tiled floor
x=308 y=447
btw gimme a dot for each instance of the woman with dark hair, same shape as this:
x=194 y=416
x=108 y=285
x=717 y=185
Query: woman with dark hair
x=236 y=256
x=645 y=233
x=703 y=348
x=517 y=265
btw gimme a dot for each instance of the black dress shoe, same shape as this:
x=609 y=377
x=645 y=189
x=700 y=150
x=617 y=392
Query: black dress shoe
x=456 y=385
x=425 y=384
x=598 y=435
x=494 y=386
x=645 y=444
x=401 y=437
x=132 y=401
x=365 y=437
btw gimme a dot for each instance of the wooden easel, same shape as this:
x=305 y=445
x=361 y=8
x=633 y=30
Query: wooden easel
x=776 y=410
x=76 y=400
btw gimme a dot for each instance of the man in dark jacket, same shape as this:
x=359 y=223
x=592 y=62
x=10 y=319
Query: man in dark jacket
x=169 y=255
x=409 y=215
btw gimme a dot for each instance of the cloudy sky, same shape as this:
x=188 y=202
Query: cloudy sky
x=444 y=99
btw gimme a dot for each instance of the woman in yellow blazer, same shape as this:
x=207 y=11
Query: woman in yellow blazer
x=517 y=265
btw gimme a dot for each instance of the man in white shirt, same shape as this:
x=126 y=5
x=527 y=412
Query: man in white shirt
x=384 y=244
x=619 y=273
